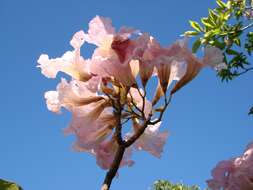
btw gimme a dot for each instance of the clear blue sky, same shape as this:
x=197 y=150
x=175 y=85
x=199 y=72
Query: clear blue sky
x=207 y=120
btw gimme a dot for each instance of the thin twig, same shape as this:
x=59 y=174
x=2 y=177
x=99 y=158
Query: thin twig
x=166 y=103
x=247 y=27
x=134 y=104
x=245 y=71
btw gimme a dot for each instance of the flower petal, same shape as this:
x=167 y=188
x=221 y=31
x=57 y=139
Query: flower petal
x=99 y=30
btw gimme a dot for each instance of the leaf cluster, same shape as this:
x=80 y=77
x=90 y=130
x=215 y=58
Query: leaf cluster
x=166 y=185
x=6 y=185
x=225 y=27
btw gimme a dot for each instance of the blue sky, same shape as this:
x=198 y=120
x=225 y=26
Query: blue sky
x=207 y=119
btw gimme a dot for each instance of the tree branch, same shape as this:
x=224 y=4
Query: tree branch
x=122 y=144
x=147 y=122
x=120 y=149
x=245 y=71
x=114 y=168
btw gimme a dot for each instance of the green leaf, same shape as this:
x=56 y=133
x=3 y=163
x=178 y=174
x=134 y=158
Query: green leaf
x=166 y=185
x=196 y=45
x=207 y=22
x=213 y=15
x=232 y=52
x=225 y=16
x=237 y=41
x=6 y=185
x=209 y=34
x=229 y=4
x=196 y=26
x=219 y=44
x=221 y=4
x=191 y=33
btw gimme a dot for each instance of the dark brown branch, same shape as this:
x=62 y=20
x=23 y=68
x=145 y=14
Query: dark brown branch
x=118 y=128
x=114 y=168
x=122 y=144
x=166 y=103
x=137 y=134
x=147 y=122
x=120 y=149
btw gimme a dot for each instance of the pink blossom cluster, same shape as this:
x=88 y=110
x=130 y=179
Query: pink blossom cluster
x=234 y=174
x=121 y=62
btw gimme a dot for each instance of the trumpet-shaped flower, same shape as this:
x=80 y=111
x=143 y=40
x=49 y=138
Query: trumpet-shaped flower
x=91 y=133
x=114 y=52
x=72 y=96
x=145 y=54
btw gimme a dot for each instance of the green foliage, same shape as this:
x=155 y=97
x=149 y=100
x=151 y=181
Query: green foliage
x=166 y=185
x=226 y=27
x=6 y=185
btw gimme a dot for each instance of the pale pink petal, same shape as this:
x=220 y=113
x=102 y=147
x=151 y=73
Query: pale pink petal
x=234 y=174
x=107 y=67
x=48 y=68
x=105 y=154
x=152 y=140
x=70 y=63
x=77 y=40
x=89 y=135
x=126 y=32
x=100 y=28
x=74 y=96
x=52 y=100
x=76 y=93
x=214 y=57
x=178 y=70
x=146 y=51
x=91 y=132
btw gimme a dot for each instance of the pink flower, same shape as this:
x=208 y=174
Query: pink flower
x=114 y=52
x=151 y=140
x=234 y=174
x=108 y=67
x=193 y=64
